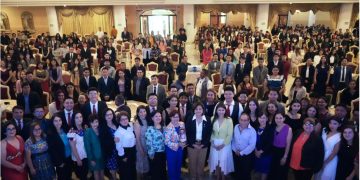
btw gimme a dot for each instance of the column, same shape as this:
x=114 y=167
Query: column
x=262 y=17
x=345 y=16
x=119 y=20
x=246 y=20
x=312 y=18
x=52 y=21
x=188 y=19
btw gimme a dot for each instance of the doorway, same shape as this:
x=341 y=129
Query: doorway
x=160 y=21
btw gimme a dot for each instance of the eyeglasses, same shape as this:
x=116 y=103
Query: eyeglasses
x=309 y=124
x=37 y=129
x=10 y=129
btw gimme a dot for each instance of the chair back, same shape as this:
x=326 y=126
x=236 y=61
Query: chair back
x=152 y=66
x=5 y=92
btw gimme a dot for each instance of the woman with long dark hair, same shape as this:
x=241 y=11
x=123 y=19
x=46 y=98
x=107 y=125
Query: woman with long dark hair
x=55 y=75
x=321 y=77
x=293 y=117
x=349 y=149
x=252 y=108
x=140 y=127
x=58 y=103
x=59 y=148
x=108 y=126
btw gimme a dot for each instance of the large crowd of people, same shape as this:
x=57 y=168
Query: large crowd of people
x=246 y=127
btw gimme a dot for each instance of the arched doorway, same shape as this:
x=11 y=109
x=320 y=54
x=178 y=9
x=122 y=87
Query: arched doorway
x=160 y=21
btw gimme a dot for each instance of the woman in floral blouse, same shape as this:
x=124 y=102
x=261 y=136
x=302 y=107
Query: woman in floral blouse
x=174 y=145
x=156 y=147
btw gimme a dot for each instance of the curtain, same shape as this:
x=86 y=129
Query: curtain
x=251 y=9
x=85 y=20
x=276 y=9
x=354 y=15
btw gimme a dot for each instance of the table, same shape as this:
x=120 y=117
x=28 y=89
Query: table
x=7 y=105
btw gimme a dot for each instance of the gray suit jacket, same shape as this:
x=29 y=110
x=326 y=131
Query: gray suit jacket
x=161 y=93
x=214 y=66
x=259 y=76
x=223 y=69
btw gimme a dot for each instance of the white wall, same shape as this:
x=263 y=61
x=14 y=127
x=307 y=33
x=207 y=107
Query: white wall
x=299 y=18
x=189 y=15
x=119 y=20
x=345 y=16
x=262 y=16
x=52 y=20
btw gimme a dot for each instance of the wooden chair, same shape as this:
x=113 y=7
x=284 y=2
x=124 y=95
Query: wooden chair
x=354 y=67
x=66 y=76
x=275 y=39
x=175 y=59
x=126 y=50
x=353 y=48
x=260 y=48
x=164 y=80
x=5 y=92
x=266 y=41
x=338 y=96
x=35 y=50
x=216 y=79
x=168 y=50
x=152 y=66
x=350 y=56
x=65 y=66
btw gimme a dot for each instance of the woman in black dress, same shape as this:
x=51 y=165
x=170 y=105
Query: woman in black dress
x=166 y=66
x=293 y=117
x=321 y=77
x=349 y=149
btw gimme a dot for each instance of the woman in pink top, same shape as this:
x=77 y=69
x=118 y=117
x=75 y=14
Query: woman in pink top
x=207 y=54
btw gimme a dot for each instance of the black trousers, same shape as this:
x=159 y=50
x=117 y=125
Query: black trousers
x=277 y=171
x=64 y=173
x=127 y=164
x=158 y=166
x=303 y=174
x=82 y=171
x=243 y=166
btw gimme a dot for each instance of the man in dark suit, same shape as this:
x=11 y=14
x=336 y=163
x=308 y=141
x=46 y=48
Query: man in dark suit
x=157 y=89
x=111 y=51
x=271 y=52
x=93 y=106
x=241 y=70
x=137 y=66
x=106 y=85
x=68 y=114
x=87 y=81
x=5 y=39
x=34 y=85
x=276 y=62
x=125 y=35
x=86 y=54
x=183 y=66
x=192 y=98
x=70 y=58
x=307 y=74
x=342 y=77
x=21 y=122
x=27 y=99
x=140 y=84
x=39 y=116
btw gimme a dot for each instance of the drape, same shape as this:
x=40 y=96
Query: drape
x=354 y=15
x=251 y=9
x=276 y=9
x=85 y=20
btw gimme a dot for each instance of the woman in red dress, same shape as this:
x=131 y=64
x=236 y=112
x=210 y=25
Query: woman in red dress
x=12 y=155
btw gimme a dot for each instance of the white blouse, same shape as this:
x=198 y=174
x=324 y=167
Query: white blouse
x=126 y=137
x=79 y=144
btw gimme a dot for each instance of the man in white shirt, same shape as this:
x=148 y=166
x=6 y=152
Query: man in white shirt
x=233 y=108
x=100 y=33
x=203 y=85
x=243 y=145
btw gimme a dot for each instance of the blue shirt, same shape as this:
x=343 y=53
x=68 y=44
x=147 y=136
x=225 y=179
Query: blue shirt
x=155 y=141
x=27 y=105
x=65 y=140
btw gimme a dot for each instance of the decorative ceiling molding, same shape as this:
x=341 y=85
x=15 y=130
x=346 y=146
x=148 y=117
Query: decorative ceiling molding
x=154 y=2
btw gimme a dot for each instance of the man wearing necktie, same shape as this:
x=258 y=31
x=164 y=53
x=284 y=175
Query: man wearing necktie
x=157 y=89
x=227 y=68
x=106 y=85
x=342 y=77
x=21 y=123
x=241 y=70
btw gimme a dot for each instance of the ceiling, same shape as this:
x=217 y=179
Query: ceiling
x=154 y=2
